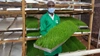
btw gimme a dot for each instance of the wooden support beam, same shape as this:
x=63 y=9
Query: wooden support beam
x=10 y=12
x=91 y=23
x=58 y=12
x=58 y=5
x=24 y=29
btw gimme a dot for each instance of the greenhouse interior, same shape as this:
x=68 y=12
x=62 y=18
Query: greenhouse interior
x=49 y=28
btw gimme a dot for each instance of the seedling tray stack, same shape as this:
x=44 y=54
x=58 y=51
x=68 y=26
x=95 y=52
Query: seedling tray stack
x=83 y=28
x=74 y=20
x=32 y=23
x=66 y=46
x=75 y=45
x=72 y=44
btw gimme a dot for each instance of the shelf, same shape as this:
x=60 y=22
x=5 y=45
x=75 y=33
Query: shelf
x=32 y=29
x=15 y=29
x=10 y=12
x=7 y=41
x=17 y=11
x=81 y=33
x=41 y=9
x=11 y=24
x=35 y=38
x=59 y=5
x=15 y=36
x=41 y=12
x=75 y=34
x=16 y=40
x=59 y=12
x=39 y=3
x=11 y=36
x=83 y=27
x=32 y=37
x=19 y=29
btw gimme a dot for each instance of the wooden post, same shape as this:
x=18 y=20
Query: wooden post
x=24 y=29
x=90 y=24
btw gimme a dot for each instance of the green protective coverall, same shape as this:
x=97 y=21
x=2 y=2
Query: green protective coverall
x=46 y=23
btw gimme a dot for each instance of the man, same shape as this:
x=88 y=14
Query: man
x=48 y=21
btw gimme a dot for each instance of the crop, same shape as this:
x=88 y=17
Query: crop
x=31 y=33
x=78 y=43
x=74 y=45
x=32 y=22
x=57 y=35
x=74 y=20
x=31 y=51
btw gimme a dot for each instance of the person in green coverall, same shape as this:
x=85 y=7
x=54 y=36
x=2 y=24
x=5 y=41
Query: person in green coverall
x=48 y=21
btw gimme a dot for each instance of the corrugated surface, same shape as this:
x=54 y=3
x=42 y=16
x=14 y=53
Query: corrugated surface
x=5 y=23
x=16 y=49
x=11 y=49
x=5 y=49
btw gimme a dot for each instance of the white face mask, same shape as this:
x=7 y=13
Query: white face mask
x=51 y=10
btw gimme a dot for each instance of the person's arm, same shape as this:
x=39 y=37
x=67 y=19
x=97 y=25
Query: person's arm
x=43 y=25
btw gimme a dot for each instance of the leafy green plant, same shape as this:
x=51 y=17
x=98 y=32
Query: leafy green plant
x=32 y=22
x=74 y=20
x=65 y=48
x=31 y=33
x=72 y=44
x=31 y=51
x=57 y=35
x=78 y=43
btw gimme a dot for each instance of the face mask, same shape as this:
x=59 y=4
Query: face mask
x=51 y=10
